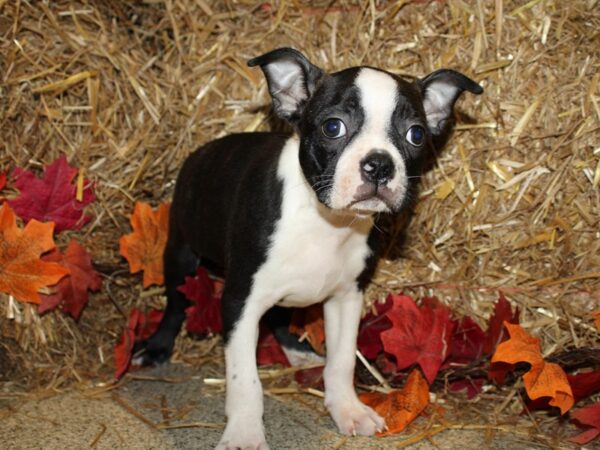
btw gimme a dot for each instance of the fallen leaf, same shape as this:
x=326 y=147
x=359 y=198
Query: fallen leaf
x=72 y=290
x=472 y=387
x=204 y=316
x=310 y=378
x=268 y=350
x=144 y=248
x=496 y=332
x=308 y=322
x=468 y=341
x=588 y=416
x=52 y=197
x=139 y=327
x=369 y=339
x=418 y=336
x=596 y=316
x=22 y=272
x=399 y=408
x=543 y=379
x=2 y=180
x=582 y=385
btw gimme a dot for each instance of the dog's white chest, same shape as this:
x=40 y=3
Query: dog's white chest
x=314 y=254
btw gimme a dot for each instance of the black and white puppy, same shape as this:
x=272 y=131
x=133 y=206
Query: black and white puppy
x=290 y=219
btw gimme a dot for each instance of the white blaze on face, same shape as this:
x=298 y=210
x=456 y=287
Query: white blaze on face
x=378 y=99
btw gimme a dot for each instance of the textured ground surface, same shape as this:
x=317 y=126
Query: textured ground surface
x=78 y=419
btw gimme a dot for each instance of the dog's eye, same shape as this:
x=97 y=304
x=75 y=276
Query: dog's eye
x=334 y=128
x=416 y=135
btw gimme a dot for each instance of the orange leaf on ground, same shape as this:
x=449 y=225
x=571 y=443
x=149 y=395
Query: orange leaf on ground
x=543 y=379
x=596 y=316
x=22 y=272
x=308 y=322
x=400 y=408
x=144 y=248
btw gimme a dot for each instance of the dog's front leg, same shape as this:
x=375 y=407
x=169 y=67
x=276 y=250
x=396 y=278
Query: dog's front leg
x=244 y=401
x=342 y=316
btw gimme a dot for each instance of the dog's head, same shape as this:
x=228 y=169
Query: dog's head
x=363 y=132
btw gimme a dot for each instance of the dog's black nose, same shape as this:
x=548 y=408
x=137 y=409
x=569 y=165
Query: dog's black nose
x=377 y=168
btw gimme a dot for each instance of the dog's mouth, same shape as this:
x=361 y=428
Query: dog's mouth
x=372 y=198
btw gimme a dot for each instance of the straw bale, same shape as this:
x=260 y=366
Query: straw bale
x=127 y=89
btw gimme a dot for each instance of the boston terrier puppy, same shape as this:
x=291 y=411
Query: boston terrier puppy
x=290 y=218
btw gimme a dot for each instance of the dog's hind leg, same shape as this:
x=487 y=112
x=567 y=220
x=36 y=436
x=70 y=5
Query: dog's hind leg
x=179 y=262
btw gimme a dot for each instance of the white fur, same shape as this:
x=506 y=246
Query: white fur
x=438 y=101
x=379 y=96
x=315 y=254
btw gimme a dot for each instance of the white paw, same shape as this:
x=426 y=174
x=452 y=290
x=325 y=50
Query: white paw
x=353 y=417
x=246 y=437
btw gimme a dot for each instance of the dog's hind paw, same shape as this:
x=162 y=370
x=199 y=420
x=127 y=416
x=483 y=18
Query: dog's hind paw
x=155 y=350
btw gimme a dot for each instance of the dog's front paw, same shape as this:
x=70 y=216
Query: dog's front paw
x=243 y=437
x=353 y=417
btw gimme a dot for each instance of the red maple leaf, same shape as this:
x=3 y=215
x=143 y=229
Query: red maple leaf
x=268 y=350
x=2 y=180
x=72 y=290
x=369 y=339
x=139 y=327
x=588 y=417
x=471 y=387
x=204 y=317
x=52 y=197
x=467 y=341
x=496 y=332
x=418 y=335
x=310 y=378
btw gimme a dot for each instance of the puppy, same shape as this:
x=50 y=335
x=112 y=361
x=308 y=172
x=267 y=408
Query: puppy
x=290 y=219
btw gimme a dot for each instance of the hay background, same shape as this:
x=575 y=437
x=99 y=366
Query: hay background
x=127 y=89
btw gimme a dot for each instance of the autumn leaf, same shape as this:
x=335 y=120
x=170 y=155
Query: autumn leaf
x=310 y=378
x=582 y=385
x=467 y=342
x=204 y=316
x=139 y=327
x=587 y=417
x=308 y=323
x=52 y=197
x=22 y=272
x=496 y=332
x=399 y=408
x=268 y=350
x=144 y=248
x=2 y=180
x=596 y=316
x=418 y=336
x=72 y=290
x=543 y=379
x=471 y=386
x=369 y=333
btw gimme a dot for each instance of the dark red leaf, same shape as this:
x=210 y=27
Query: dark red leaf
x=310 y=378
x=472 y=387
x=2 y=180
x=467 y=342
x=140 y=326
x=369 y=339
x=72 y=291
x=269 y=351
x=418 y=335
x=496 y=332
x=588 y=417
x=204 y=317
x=52 y=198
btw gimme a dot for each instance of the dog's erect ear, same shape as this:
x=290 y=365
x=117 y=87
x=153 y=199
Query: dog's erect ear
x=440 y=89
x=292 y=80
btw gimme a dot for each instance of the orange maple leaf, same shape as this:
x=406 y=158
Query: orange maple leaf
x=400 y=408
x=543 y=379
x=596 y=316
x=308 y=323
x=22 y=272
x=144 y=248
